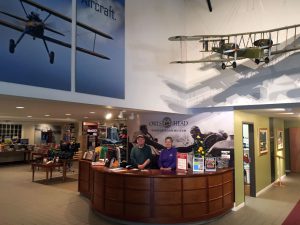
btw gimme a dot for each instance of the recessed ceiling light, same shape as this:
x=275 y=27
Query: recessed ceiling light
x=86 y=117
x=47 y=115
x=287 y=113
x=68 y=114
x=277 y=109
x=92 y=112
x=20 y=107
x=29 y=116
x=108 y=116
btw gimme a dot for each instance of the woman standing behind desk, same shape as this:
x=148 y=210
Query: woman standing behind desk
x=167 y=157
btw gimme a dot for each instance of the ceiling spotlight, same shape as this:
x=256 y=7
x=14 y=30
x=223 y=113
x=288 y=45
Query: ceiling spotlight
x=68 y=114
x=29 y=116
x=20 y=107
x=92 y=112
x=287 y=113
x=86 y=117
x=277 y=109
x=47 y=115
x=108 y=116
x=131 y=117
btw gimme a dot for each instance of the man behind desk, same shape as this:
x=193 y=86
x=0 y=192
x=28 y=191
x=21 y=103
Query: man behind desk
x=141 y=154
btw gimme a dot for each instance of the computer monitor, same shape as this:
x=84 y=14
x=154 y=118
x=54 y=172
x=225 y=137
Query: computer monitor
x=24 y=141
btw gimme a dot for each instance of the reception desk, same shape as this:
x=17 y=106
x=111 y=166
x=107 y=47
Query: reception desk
x=154 y=196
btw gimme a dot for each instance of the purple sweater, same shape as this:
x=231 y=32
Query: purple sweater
x=167 y=158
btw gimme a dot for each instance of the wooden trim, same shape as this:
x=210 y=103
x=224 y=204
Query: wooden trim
x=169 y=212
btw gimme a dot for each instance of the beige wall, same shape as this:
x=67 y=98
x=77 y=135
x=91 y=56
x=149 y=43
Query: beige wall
x=28 y=132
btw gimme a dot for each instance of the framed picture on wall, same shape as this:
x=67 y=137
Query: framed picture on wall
x=263 y=140
x=279 y=138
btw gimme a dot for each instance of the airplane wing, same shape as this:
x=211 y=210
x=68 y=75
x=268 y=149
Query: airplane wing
x=77 y=48
x=51 y=11
x=224 y=36
x=198 y=38
x=285 y=50
x=17 y=28
x=217 y=60
x=13 y=16
x=12 y=26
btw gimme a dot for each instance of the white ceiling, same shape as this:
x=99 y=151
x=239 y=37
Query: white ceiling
x=38 y=108
x=285 y=112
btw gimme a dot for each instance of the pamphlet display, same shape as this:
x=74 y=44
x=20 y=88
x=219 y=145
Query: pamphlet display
x=210 y=164
x=182 y=161
x=198 y=164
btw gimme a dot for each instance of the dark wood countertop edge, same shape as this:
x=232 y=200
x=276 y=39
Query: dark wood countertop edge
x=136 y=173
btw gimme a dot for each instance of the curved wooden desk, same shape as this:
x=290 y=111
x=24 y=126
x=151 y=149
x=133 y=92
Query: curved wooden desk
x=155 y=196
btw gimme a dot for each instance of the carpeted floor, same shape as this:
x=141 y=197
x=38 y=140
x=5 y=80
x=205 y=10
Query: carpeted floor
x=294 y=216
x=23 y=202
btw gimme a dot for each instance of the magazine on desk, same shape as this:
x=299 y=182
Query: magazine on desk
x=210 y=164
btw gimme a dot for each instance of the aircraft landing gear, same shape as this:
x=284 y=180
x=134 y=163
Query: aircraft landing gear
x=12 y=46
x=223 y=66
x=228 y=64
x=234 y=65
x=267 y=60
x=51 y=57
x=257 y=61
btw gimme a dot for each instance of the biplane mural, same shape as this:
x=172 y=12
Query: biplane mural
x=94 y=76
x=36 y=43
x=258 y=46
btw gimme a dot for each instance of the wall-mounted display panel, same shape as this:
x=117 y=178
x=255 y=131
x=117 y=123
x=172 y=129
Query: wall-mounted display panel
x=263 y=140
x=35 y=41
x=100 y=70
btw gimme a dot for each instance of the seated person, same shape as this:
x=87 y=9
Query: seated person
x=141 y=154
x=167 y=157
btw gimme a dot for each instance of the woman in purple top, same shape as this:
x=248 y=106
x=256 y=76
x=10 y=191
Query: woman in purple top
x=167 y=157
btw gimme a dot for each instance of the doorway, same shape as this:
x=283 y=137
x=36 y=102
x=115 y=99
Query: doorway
x=249 y=159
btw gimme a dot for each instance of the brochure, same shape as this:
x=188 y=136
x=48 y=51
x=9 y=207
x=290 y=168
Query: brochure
x=210 y=164
x=182 y=161
x=198 y=164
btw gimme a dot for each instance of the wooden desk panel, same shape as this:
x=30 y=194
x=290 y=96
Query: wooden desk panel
x=159 y=197
x=137 y=196
x=195 y=196
x=84 y=178
x=167 y=198
x=137 y=211
x=167 y=184
x=195 y=210
x=194 y=183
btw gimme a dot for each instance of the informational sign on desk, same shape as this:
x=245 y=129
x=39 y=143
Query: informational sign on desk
x=198 y=164
x=182 y=161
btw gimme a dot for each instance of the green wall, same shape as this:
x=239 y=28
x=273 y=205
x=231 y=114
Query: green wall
x=262 y=162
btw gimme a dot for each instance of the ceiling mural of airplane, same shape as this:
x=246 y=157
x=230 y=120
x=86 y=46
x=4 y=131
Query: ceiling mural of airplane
x=257 y=46
x=35 y=26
